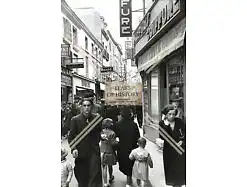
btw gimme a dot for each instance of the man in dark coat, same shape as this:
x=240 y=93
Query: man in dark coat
x=128 y=134
x=87 y=153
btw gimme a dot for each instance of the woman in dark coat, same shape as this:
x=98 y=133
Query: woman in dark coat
x=128 y=134
x=174 y=164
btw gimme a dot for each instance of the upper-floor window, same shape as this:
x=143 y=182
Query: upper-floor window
x=96 y=52
x=86 y=66
x=110 y=46
x=92 y=48
x=75 y=36
x=67 y=29
x=86 y=43
x=100 y=56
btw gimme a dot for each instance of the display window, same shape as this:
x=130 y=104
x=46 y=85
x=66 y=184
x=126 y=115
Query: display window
x=176 y=82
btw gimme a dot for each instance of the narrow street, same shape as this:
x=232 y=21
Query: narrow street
x=156 y=173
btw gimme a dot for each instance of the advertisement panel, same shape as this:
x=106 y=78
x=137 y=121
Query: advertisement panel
x=125 y=18
x=121 y=93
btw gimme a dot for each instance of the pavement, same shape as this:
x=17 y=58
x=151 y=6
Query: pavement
x=156 y=174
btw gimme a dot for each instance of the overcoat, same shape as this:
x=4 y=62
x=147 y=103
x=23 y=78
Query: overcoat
x=128 y=134
x=87 y=164
x=174 y=164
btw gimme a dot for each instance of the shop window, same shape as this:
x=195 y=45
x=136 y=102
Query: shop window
x=176 y=81
x=154 y=109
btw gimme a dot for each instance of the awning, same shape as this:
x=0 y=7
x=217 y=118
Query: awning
x=172 y=45
x=79 y=88
x=175 y=44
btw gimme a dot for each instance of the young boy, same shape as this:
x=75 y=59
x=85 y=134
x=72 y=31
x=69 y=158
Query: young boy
x=66 y=169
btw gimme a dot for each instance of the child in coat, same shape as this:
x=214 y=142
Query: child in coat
x=66 y=169
x=108 y=155
x=142 y=161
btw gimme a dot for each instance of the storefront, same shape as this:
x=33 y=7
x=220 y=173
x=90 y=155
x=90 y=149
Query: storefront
x=160 y=58
x=66 y=88
x=81 y=85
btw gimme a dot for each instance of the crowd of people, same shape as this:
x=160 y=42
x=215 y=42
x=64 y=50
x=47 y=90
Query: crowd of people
x=116 y=139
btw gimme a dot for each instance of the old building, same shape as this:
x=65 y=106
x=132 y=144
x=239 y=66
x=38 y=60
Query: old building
x=85 y=47
x=160 y=58
x=112 y=53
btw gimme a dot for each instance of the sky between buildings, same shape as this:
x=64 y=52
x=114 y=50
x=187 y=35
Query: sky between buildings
x=109 y=9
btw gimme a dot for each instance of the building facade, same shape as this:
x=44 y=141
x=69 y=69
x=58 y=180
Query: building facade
x=159 y=45
x=115 y=57
x=85 y=47
x=112 y=54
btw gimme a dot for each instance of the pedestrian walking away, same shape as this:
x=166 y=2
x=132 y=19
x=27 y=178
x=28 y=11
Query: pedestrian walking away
x=174 y=163
x=128 y=134
x=87 y=152
x=142 y=160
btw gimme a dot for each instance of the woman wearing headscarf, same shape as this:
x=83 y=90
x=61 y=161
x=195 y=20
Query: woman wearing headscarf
x=174 y=163
x=128 y=134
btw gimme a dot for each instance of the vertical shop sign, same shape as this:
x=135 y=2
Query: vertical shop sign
x=125 y=18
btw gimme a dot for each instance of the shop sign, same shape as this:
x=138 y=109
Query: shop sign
x=66 y=80
x=121 y=93
x=75 y=65
x=149 y=26
x=128 y=44
x=106 y=69
x=125 y=18
x=65 y=50
x=163 y=44
x=166 y=14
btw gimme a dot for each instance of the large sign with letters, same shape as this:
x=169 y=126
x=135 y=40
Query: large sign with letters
x=125 y=18
x=160 y=17
x=106 y=69
x=122 y=93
